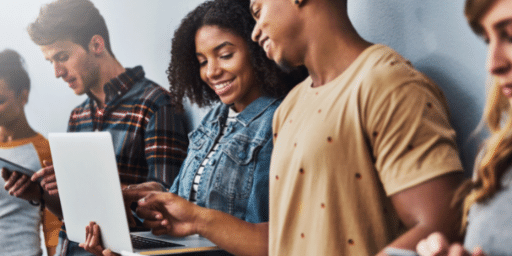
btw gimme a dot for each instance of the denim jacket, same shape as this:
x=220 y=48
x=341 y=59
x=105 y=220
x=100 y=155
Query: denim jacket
x=235 y=180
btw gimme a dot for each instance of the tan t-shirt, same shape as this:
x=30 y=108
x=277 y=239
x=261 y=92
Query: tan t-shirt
x=341 y=149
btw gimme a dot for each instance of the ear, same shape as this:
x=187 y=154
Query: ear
x=24 y=96
x=299 y=3
x=97 y=45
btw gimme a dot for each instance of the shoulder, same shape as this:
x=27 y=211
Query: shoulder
x=149 y=95
x=388 y=75
x=148 y=90
x=84 y=106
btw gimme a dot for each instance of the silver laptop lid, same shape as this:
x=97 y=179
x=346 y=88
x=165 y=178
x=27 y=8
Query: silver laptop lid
x=86 y=171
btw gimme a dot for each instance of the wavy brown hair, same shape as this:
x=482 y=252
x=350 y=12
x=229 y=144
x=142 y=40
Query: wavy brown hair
x=75 y=20
x=234 y=16
x=497 y=116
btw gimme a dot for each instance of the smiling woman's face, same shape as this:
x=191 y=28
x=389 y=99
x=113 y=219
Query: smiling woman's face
x=225 y=66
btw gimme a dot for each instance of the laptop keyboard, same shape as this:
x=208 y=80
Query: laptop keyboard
x=139 y=243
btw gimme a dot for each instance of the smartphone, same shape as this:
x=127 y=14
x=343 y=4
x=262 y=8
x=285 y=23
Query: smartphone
x=10 y=166
x=390 y=251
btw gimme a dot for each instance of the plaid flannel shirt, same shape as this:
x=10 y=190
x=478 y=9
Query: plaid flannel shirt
x=150 y=138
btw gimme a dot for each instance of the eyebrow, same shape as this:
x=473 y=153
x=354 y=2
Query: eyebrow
x=502 y=24
x=53 y=57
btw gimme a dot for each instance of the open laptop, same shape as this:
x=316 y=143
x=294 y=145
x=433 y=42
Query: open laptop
x=90 y=190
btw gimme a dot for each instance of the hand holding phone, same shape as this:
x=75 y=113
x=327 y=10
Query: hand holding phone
x=17 y=181
x=12 y=167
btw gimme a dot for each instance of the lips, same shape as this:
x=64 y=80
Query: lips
x=71 y=82
x=221 y=88
x=264 y=43
x=506 y=89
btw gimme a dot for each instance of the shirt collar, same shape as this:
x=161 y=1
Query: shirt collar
x=121 y=84
x=253 y=110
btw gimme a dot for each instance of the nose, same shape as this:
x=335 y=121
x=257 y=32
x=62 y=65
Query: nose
x=498 y=59
x=59 y=70
x=256 y=33
x=213 y=70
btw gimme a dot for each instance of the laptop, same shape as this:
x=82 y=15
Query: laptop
x=90 y=190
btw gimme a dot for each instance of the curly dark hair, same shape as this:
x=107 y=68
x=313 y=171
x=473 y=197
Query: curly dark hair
x=13 y=72
x=233 y=15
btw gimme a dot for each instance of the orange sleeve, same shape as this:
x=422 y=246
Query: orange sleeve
x=51 y=224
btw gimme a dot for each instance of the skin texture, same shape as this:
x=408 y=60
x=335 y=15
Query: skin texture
x=224 y=58
x=497 y=26
x=290 y=35
x=74 y=65
x=11 y=108
x=436 y=244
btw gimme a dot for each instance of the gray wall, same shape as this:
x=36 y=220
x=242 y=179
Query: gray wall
x=432 y=34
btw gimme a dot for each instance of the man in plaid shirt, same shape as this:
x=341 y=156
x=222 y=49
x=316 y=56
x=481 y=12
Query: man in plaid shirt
x=149 y=137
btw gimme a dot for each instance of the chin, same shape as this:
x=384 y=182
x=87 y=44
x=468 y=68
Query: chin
x=285 y=65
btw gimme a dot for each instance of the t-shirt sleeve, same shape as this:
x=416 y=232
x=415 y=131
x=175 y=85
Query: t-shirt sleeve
x=412 y=140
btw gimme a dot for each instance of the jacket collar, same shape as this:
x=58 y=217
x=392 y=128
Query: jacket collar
x=252 y=111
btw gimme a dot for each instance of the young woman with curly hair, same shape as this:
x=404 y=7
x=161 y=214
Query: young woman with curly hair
x=222 y=190
x=488 y=203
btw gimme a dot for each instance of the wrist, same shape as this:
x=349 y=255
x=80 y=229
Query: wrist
x=201 y=221
x=40 y=200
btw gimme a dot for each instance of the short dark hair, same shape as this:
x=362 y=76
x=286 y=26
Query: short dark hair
x=13 y=72
x=235 y=17
x=75 y=20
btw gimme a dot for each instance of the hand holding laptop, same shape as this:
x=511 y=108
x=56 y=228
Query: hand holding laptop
x=93 y=243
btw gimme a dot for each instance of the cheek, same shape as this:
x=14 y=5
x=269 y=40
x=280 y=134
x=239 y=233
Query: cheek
x=202 y=74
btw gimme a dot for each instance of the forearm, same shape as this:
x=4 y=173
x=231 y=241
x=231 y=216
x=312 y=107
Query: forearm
x=409 y=239
x=52 y=202
x=236 y=236
x=426 y=208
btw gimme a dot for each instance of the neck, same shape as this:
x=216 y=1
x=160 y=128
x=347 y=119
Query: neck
x=330 y=51
x=109 y=69
x=16 y=130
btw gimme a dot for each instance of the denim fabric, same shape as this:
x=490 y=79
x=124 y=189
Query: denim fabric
x=235 y=180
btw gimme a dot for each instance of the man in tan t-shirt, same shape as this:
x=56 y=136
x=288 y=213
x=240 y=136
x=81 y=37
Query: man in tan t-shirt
x=364 y=155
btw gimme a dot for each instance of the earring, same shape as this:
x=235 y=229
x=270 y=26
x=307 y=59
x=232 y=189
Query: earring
x=297 y=2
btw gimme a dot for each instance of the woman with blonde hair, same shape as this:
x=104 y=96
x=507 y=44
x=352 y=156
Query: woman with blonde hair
x=487 y=216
